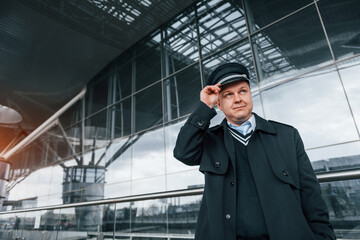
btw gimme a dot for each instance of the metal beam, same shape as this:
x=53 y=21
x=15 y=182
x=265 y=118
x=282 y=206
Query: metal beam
x=40 y=130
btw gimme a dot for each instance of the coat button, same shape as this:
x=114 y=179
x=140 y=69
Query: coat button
x=232 y=184
x=227 y=216
x=285 y=173
x=217 y=164
x=200 y=123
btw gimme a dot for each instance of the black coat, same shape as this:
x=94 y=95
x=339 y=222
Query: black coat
x=288 y=189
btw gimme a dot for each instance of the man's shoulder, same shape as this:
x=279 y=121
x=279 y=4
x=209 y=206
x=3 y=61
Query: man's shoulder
x=280 y=124
x=281 y=127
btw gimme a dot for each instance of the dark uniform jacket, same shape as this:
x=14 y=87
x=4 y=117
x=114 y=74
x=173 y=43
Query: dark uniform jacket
x=288 y=189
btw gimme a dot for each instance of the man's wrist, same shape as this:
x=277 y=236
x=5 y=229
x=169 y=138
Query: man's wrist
x=211 y=106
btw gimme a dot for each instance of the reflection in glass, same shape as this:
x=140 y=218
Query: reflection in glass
x=97 y=95
x=118 y=161
x=148 y=155
x=118 y=169
x=74 y=138
x=12 y=226
x=240 y=53
x=85 y=222
x=183 y=213
x=290 y=47
x=122 y=218
x=341 y=20
x=349 y=73
x=262 y=13
x=335 y=158
x=148 y=108
x=180 y=43
x=83 y=183
x=121 y=80
x=149 y=216
x=72 y=115
x=120 y=119
x=316 y=105
x=95 y=131
x=181 y=93
x=190 y=179
x=179 y=175
x=220 y=24
x=147 y=68
x=41 y=224
x=343 y=201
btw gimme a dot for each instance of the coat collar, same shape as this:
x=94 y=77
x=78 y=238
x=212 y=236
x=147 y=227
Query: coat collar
x=261 y=125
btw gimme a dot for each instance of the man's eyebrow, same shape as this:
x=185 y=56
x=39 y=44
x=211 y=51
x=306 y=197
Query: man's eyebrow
x=225 y=91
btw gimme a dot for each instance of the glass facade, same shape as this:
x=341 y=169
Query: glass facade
x=304 y=63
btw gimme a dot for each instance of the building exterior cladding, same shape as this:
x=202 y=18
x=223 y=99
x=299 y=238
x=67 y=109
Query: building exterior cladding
x=117 y=141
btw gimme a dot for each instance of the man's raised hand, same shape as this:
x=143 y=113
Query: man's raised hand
x=210 y=94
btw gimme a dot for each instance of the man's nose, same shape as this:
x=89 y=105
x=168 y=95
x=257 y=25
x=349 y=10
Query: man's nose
x=237 y=97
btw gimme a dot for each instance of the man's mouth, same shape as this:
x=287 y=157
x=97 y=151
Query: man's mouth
x=238 y=107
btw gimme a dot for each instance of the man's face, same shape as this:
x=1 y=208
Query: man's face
x=236 y=102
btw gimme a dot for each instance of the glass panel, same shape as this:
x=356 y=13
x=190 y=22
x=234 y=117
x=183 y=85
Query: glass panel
x=220 y=24
x=148 y=185
x=122 y=78
x=96 y=132
x=20 y=197
x=97 y=95
x=290 y=47
x=122 y=220
x=86 y=222
x=183 y=213
x=316 y=105
x=182 y=93
x=148 y=68
x=94 y=157
x=179 y=175
x=149 y=216
x=41 y=224
x=189 y=179
x=148 y=161
x=151 y=41
x=350 y=72
x=335 y=158
x=120 y=119
x=180 y=44
x=343 y=201
x=72 y=115
x=341 y=20
x=118 y=189
x=148 y=108
x=59 y=146
x=73 y=135
x=240 y=53
x=118 y=165
x=12 y=226
x=261 y=13
x=148 y=154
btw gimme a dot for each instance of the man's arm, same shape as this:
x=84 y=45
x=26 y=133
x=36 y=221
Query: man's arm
x=314 y=207
x=189 y=144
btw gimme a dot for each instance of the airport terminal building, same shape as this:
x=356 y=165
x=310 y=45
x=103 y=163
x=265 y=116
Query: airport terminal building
x=102 y=167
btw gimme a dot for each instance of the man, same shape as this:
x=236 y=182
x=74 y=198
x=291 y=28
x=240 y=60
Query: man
x=259 y=183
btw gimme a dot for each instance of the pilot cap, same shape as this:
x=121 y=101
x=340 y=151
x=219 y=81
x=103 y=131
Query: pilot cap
x=227 y=73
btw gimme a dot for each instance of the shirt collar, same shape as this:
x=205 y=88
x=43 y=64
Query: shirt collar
x=251 y=120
